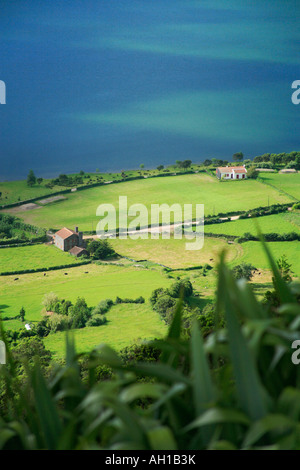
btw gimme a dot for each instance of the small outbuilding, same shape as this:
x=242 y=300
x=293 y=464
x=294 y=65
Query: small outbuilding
x=78 y=251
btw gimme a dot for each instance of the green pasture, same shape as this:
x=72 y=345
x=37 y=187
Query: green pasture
x=79 y=209
x=127 y=324
x=93 y=282
x=173 y=253
x=253 y=253
x=33 y=257
x=288 y=182
x=279 y=223
x=14 y=191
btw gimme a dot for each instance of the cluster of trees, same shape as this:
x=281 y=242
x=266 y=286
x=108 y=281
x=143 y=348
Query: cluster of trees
x=271 y=237
x=5 y=229
x=164 y=301
x=10 y=226
x=289 y=160
x=64 y=315
x=183 y=164
x=100 y=249
x=215 y=162
x=237 y=157
x=32 y=179
x=66 y=180
x=61 y=180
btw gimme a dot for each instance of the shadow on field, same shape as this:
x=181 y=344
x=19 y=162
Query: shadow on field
x=3 y=307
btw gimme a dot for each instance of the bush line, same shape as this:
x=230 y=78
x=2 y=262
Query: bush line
x=51 y=268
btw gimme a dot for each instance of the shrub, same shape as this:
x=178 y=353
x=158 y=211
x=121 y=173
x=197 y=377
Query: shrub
x=296 y=206
x=252 y=173
x=96 y=320
x=57 y=322
x=102 y=307
x=139 y=300
x=156 y=294
x=163 y=305
x=49 y=301
x=180 y=288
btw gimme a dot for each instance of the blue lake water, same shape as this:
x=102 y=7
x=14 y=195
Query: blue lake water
x=110 y=85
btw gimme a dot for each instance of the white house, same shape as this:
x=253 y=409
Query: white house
x=231 y=172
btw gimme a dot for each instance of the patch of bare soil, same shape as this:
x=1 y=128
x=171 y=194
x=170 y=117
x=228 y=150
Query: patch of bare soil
x=28 y=207
x=51 y=199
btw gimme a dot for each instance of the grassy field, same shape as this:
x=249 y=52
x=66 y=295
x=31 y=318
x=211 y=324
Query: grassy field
x=253 y=253
x=80 y=207
x=93 y=282
x=172 y=253
x=127 y=324
x=13 y=191
x=33 y=257
x=289 y=183
x=279 y=223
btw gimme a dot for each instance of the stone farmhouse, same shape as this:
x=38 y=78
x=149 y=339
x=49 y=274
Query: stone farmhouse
x=70 y=240
x=231 y=172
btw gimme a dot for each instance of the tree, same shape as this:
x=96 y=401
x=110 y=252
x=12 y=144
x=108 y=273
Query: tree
x=238 y=156
x=142 y=166
x=31 y=178
x=50 y=301
x=243 y=271
x=39 y=180
x=22 y=314
x=186 y=163
x=57 y=322
x=80 y=313
x=160 y=167
x=252 y=172
x=285 y=268
x=31 y=348
x=272 y=298
x=100 y=249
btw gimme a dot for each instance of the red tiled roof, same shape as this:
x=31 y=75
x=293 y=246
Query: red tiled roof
x=65 y=233
x=229 y=169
